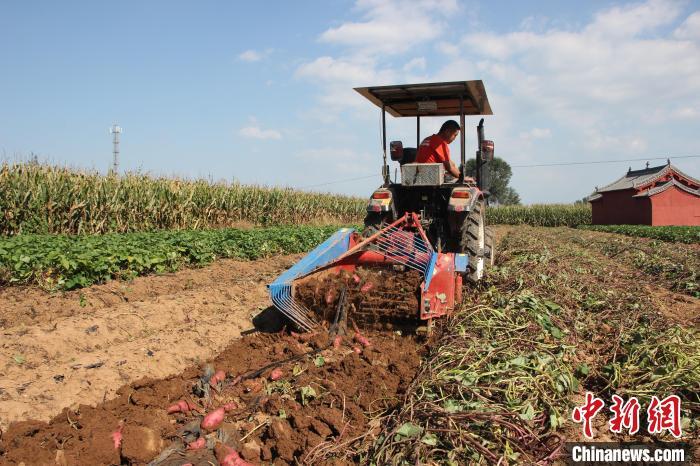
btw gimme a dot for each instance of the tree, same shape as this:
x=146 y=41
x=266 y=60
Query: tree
x=500 y=174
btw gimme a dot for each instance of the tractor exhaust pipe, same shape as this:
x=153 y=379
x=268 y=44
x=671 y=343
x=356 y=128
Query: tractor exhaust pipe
x=484 y=155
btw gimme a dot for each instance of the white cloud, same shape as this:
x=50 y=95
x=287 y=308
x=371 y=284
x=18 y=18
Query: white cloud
x=254 y=131
x=392 y=26
x=446 y=48
x=536 y=133
x=254 y=55
x=338 y=76
x=605 y=143
x=607 y=67
x=690 y=29
x=417 y=63
x=631 y=20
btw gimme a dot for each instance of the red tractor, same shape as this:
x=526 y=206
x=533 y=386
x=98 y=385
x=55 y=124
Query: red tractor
x=422 y=235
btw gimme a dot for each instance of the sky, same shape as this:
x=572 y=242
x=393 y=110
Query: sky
x=261 y=92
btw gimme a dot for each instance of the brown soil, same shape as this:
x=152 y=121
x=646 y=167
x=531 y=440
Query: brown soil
x=374 y=296
x=307 y=415
x=64 y=349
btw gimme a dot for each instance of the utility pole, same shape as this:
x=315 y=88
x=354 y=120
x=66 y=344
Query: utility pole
x=115 y=131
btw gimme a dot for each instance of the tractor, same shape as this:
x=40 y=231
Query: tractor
x=423 y=236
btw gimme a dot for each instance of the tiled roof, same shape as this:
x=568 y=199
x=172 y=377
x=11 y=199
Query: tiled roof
x=634 y=179
x=665 y=186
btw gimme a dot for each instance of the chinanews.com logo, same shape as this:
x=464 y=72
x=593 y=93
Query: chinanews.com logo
x=662 y=416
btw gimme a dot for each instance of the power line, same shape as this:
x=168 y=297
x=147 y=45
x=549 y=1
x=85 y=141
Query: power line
x=591 y=162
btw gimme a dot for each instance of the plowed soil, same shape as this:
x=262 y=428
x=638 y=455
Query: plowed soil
x=375 y=297
x=62 y=350
x=80 y=367
x=314 y=406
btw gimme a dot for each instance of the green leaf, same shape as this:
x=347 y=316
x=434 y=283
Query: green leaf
x=452 y=406
x=528 y=414
x=430 y=439
x=19 y=359
x=409 y=430
x=319 y=361
x=583 y=369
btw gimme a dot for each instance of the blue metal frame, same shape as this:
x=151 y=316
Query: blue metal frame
x=281 y=288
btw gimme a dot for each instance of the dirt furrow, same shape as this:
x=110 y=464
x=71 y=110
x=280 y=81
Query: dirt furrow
x=71 y=354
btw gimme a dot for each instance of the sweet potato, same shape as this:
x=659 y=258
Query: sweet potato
x=219 y=376
x=361 y=339
x=227 y=456
x=181 y=406
x=356 y=278
x=213 y=420
x=302 y=336
x=230 y=406
x=198 y=444
x=117 y=436
x=366 y=287
x=357 y=349
x=276 y=374
x=337 y=341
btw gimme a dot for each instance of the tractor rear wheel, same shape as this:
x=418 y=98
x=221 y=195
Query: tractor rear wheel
x=473 y=241
x=490 y=242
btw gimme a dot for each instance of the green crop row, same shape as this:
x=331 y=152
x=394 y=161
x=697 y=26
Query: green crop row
x=675 y=234
x=542 y=215
x=68 y=262
x=37 y=198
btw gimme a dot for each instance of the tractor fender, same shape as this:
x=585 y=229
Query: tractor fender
x=463 y=199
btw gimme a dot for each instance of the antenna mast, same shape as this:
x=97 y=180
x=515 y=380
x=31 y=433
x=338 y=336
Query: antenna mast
x=115 y=131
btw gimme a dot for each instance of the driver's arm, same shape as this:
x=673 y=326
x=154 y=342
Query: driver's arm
x=451 y=168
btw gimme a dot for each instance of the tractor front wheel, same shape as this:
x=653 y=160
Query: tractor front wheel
x=473 y=241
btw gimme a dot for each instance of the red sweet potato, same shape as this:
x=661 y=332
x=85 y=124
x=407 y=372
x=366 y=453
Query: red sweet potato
x=197 y=444
x=117 y=436
x=276 y=374
x=337 y=341
x=357 y=349
x=361 y=339
x=213 y=420
x=230 y=406
x=366 y=287
x=227 y=456
x=219 y=376
x=181 y=406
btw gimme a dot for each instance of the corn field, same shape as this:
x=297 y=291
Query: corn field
x=37 y=198
x=543 y=215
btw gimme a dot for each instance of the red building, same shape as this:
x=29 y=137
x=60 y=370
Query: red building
x=660 y=195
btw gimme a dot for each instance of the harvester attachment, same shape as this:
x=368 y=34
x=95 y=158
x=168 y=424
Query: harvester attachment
x=393 y=277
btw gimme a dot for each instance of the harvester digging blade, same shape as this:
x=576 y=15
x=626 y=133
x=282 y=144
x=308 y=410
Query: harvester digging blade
x=392 y=276
x=340 y=322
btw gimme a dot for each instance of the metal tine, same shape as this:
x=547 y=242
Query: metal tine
x=418 y=267
x=402 y=258
x=415 y=241
x=422 y=258
x=292 y=309
x=302 y=311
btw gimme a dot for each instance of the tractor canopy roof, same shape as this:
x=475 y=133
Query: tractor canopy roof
x=430 y=99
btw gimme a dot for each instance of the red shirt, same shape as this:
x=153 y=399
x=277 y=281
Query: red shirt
x=433 y=149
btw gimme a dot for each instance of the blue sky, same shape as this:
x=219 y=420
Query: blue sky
x=261 y=92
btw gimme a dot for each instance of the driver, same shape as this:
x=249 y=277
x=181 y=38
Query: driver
x=435 y=148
